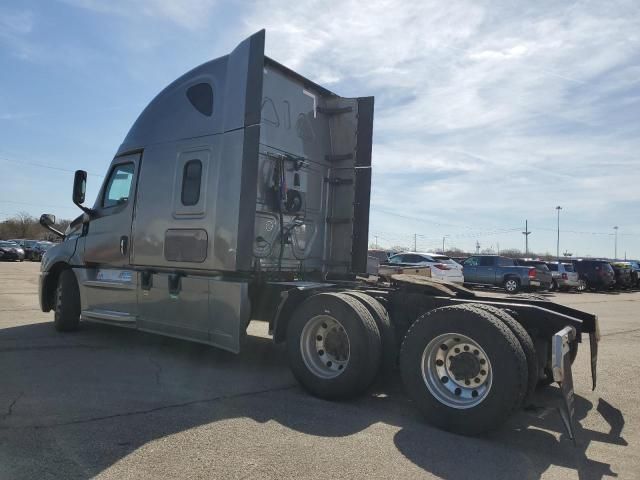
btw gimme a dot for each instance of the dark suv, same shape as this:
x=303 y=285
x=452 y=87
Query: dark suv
x=596 y=274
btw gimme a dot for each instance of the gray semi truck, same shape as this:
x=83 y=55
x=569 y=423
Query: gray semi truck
x=242 y=192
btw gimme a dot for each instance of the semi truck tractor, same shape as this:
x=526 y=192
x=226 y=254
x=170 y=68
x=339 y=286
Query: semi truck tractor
x=242 y=193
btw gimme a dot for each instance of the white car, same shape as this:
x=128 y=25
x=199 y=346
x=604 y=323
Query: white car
x=442 y=267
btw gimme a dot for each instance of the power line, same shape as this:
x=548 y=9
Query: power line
x=42 y=165
x=68 y=207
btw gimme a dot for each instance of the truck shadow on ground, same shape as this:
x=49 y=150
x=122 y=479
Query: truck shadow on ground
x=75 y=405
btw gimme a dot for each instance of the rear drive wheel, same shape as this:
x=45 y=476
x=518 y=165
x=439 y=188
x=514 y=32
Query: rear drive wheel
x=380 y=315
x=333 y=345
x=512 y=285
x=526 y=342
x=67 y=309
x=464 y=368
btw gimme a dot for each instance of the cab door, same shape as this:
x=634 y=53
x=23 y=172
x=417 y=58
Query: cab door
x=108 y=284
x=108 y=233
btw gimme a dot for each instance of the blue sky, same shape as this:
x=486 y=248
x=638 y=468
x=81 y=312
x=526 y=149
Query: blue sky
x=487 y=113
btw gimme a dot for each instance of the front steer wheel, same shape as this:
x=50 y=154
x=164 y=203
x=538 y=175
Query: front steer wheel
x=464 y=369
x=333 y=345
x=67 y=309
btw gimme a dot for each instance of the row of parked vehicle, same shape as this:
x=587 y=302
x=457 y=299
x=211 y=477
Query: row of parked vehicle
x=21 y=249
x=512 y=274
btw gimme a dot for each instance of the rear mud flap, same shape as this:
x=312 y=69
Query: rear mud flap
x=593 y=344
x=561 y=364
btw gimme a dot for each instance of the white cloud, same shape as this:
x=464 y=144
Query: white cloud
x=489 y=114
x=190 y=14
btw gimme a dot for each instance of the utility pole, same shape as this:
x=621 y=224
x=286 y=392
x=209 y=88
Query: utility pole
x=376 y=241
x=526 y=234
x=415 y=242
x=498 y=247
x=477 y=247
x=615 y=256
x=443 y=243
x=558 y=208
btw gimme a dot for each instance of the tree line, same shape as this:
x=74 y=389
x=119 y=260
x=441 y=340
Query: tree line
x=457 y=252
x=24 y=225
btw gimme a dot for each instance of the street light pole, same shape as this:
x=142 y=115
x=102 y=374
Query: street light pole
x=526 y=234
x=443 y=243
x=615 y=256
x=558 y=208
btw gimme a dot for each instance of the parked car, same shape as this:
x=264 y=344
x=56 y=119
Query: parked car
x=11 y=251
x=595 y=274
x=40 y=249
x=28 y=246
x=499 y=271
x=635 y=271
x=544 y=273
x=624 y=275
x=442 y=267
x=381 y=255
x=564 y=276
x=459 y=260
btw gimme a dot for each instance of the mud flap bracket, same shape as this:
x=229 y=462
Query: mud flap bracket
x=561 y=365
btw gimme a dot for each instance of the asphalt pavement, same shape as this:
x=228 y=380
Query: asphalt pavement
x=113 y=403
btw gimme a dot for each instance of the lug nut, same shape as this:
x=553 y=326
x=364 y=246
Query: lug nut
x=476 y=352
x=439 y=362
x=477 y=380
x=444 y=379
x=466 y=348
x=483 y=372
x=482 y=361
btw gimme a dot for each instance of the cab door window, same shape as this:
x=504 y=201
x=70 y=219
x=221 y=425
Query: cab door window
x=118 y=187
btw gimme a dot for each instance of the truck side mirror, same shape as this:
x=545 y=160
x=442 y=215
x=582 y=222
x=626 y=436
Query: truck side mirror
x=46 y=219
x=79 y=187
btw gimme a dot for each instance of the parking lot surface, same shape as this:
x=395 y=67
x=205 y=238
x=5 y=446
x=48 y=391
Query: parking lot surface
x=116 y=403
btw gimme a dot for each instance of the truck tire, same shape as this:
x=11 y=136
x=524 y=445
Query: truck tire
x=67 y=308
x=464 y=369
x=333 y=346
x=389 y=359
x=511 y=285
x=526 y=342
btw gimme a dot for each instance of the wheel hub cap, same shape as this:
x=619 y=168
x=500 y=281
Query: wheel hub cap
x=456 y=370
x=324 y=345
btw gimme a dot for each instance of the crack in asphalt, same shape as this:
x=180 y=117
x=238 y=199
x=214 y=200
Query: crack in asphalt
x=81 y=421
x=19 y=309
x=158 y=368
x=631 y=330
x=11 y=405
x=50 y=347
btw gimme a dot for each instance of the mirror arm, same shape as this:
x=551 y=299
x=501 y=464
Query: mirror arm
x=54 y=230
x=89 y=211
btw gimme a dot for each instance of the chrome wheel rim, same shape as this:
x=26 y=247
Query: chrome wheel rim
x=456 y=370
x=325 y=347
x=511 y=285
